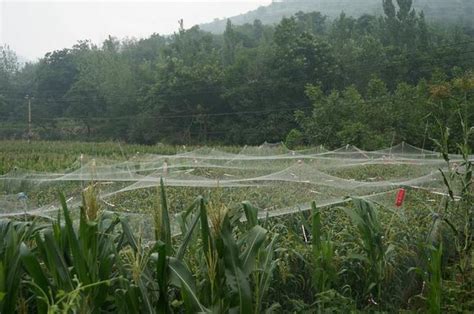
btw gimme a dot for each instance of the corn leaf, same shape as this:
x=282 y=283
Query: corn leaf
x=254 y=240
x=165 y=232
x=182 y=277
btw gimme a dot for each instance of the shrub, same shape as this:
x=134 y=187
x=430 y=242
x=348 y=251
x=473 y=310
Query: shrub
x=294 y=139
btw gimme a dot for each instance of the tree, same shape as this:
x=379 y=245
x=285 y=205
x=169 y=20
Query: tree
x=358 y=78
x=9 y=69
x=230 y=43
x=55 y=75
x=85 y=103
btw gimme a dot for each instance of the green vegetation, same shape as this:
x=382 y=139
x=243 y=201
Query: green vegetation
x=89 y=227
x=359 y=256
x=369 y=81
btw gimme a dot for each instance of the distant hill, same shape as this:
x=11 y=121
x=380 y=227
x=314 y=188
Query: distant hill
x=452 y=11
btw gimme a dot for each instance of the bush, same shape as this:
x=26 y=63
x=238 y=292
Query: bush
x=294 y=138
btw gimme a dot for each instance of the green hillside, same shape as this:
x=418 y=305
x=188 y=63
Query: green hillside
x=453 y=11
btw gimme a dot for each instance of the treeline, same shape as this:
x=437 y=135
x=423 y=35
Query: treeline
x=368 y=81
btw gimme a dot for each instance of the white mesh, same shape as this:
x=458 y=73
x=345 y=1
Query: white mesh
x=271 y=176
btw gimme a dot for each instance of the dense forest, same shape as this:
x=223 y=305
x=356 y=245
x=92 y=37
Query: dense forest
x=368 y=80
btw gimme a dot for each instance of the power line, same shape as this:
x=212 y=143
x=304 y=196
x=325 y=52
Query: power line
x=175 y=116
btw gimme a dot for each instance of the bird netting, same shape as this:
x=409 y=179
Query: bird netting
x=272 y=177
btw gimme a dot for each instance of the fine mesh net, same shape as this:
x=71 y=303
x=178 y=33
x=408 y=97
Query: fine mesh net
x=278 y=180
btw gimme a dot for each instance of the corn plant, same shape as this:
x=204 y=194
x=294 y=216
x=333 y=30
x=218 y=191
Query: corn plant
x=435 y=279
x=101 y=265
x=234 y=263
x=376 y=253
x=432 y=278
x=265 y=263
x=228 y=264
x=68 y=260
x=171 y=269
x=325 y=272
x=458 y=206
x=323 y=255
x=12 y=234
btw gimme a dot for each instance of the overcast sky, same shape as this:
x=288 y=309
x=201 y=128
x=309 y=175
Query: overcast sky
x=32 y=27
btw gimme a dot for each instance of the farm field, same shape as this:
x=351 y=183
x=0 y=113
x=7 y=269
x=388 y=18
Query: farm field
x=246 y=229
x=296 y=158
x=271 y=176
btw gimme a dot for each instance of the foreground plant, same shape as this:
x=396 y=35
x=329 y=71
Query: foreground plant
x=458 y=207
x=236 y=261
x=377 y=254
x=432 y=278
x=12 y=235
x=100 y=265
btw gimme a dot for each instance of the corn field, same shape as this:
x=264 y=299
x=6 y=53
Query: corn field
x=208 y=254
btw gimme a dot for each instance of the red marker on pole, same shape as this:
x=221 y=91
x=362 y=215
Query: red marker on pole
x=400 y=197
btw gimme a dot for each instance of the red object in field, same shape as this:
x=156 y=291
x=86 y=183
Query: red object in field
x=400 y=197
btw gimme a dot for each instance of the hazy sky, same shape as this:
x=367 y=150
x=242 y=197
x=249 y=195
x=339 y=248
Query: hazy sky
x=32 y=28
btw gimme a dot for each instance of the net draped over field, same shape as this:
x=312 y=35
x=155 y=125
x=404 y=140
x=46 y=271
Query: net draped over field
x=277 y=180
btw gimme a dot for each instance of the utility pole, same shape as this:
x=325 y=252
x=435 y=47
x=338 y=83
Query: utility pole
x=27 y=97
